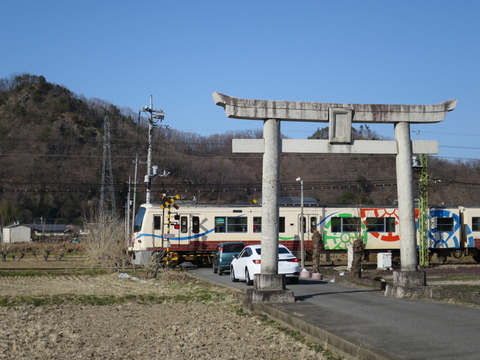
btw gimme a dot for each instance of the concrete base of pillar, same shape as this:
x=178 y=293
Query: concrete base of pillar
x=410 y=278
x=269 y=289
x=269 y=282
x=408 y=284
x=269 y=296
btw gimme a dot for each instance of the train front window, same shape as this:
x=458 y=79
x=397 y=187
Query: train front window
x=139 y=219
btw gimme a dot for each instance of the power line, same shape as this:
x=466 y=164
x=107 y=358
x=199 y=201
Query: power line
x=219 y=187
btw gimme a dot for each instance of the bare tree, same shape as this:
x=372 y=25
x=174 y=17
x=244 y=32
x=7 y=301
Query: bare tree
x=105 y=242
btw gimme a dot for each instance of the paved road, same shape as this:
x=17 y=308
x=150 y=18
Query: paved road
x=413 y=329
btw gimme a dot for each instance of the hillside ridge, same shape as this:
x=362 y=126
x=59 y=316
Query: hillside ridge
x=51 y=161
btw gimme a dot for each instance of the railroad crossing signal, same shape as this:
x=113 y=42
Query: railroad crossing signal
x=169 y=201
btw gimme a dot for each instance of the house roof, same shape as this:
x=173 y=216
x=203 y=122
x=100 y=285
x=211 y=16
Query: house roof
x=58 y=228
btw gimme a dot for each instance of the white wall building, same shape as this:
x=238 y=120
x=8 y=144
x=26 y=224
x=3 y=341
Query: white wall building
x=17 y=233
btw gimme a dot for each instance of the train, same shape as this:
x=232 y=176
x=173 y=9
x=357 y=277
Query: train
x=192 y=231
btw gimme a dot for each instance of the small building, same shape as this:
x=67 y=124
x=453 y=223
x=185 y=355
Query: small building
x=50 y=232
x=17 y=233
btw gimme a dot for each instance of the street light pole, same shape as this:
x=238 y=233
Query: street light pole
x=302 y=227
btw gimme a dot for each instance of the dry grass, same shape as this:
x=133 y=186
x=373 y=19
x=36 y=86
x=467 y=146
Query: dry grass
x=104 y=245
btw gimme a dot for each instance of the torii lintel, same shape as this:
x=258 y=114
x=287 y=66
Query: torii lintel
x=321 y=112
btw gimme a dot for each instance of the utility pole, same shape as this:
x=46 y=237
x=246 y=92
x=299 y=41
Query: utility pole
x=155 y=117
x=134 y=193
x=302 y=227
x=127 y=215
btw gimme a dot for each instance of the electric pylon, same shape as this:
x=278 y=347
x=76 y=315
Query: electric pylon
x=107 y=191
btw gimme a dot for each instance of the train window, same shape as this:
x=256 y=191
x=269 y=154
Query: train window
x=230 y=224
x=281 y=224
x=139 y=219
x=445 y=224
x=381 y=224
x=236 y=224
x=157 y=221
x=345 y=224
x=336 y=224
x=257 y=224
x=351 y=224
x=304 y=224
x=195 y=224
x=183 y=224
x=220 y=225
x=390 y=224
x=313 y=224
x=475 y=223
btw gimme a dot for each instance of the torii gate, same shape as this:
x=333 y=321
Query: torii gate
x=340 y=118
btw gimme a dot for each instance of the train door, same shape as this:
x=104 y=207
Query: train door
x=188 y=227
x=308 y=225
x=471 y=227
x=471 y=231
x=157 y=235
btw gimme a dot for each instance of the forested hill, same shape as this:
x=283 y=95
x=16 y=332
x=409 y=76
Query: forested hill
x=52 y=144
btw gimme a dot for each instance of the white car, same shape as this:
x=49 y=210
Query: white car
x=248 y=263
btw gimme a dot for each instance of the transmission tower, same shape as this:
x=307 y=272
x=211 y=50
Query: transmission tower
x=107 y=191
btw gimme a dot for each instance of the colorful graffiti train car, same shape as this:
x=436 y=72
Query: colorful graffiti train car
x=193 y=231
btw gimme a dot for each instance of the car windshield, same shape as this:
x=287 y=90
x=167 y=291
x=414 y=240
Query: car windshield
x=281 y=250
x=232 y=248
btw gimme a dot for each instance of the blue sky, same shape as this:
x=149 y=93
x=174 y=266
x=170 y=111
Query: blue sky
x=382 y=52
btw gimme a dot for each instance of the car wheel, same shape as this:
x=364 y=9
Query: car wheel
x=214 y=269
x=248 y=281
x=232 y=275
x=220 y=271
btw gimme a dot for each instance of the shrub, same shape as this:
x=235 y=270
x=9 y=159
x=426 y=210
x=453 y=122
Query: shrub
x=104 y=244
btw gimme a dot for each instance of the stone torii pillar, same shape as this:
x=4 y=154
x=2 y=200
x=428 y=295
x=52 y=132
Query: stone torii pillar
x=340 y=118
